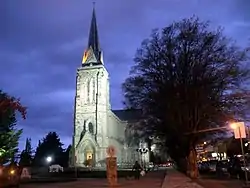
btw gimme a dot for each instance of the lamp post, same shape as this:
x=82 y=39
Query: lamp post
x=238 y=128
x=75 y=167
x=142 y=152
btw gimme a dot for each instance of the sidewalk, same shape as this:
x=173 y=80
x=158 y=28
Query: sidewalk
x=175 y=179
x=151 y=180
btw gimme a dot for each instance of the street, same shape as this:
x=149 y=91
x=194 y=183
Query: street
x=212 y=181
x=151 y=180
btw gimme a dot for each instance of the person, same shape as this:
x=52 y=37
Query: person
x=137 y=170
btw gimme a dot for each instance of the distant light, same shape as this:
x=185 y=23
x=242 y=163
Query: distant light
x=12 y=172
x=49 y=159
x=214 y=154
x=205 y=143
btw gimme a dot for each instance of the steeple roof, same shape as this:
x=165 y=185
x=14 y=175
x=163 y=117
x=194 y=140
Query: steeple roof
x=93 y=34
x=93 y=54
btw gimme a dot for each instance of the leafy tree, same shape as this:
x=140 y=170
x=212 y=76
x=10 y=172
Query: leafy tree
x=26 y=154
x=132 y=136
x=9 y=135
x=187 y=78
x=51 y=146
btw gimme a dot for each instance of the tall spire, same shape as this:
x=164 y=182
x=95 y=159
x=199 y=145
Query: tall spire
x=93 y=52
x=93 y=33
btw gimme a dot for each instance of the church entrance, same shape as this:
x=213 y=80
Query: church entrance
x=89 y=155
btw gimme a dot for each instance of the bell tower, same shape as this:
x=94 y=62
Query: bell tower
x=91 y=102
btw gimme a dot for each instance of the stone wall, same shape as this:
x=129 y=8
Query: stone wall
x=116 y=135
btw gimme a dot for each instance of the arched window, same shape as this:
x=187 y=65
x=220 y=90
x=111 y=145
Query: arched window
x=91 y=128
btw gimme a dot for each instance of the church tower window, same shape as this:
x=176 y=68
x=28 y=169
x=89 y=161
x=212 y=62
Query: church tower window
x=88 y=90
x=91 y=128
x=94 y=90
x=91 y=90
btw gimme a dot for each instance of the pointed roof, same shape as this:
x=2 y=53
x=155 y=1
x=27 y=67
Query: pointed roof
x=93 y=54
x=93 y=34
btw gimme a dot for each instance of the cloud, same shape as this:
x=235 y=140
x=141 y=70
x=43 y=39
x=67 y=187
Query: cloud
x=42 y=42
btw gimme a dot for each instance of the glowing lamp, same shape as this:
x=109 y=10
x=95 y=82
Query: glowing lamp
x=234 y=126
x=12 y=172
x=49 y=159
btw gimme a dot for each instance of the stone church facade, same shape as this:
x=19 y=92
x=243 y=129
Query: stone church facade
x=96 y=125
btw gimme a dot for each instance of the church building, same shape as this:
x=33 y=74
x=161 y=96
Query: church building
x=96 y=125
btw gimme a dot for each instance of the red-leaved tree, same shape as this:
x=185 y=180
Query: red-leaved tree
x=9 y=134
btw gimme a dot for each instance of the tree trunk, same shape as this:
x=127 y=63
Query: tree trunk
x=192 y=170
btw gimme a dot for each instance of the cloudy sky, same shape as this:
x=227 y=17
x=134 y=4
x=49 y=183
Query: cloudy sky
x=42 y=42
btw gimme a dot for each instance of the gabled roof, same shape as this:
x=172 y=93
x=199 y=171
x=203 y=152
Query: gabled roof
x=128 y=115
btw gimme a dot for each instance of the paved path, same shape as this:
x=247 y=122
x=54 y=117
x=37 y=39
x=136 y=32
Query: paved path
x=151 y=180
x=175 y=179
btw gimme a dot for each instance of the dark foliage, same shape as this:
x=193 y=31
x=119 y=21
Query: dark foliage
x=26 y=154
x=65 y=157
x=187 y=78
x=50 y=146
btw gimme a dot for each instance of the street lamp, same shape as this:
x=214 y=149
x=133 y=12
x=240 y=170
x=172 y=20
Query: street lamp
x=237 y=130
x=49 y=159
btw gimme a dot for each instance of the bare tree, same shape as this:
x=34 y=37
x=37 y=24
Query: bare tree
x=187 y=78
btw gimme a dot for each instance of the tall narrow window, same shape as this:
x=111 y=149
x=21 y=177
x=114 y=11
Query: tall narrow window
x=94 y=89
x=91 y=128
x=88 y=90
x=83 y=93
x=91 y=90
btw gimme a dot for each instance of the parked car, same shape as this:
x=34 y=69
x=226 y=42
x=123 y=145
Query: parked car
x=222 y=168
x=152 y=166
x=212 y=166
x=235 y=168
x=203 y=167
x=169 y=163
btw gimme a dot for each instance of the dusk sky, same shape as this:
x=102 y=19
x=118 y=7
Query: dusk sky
x=42 y=43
